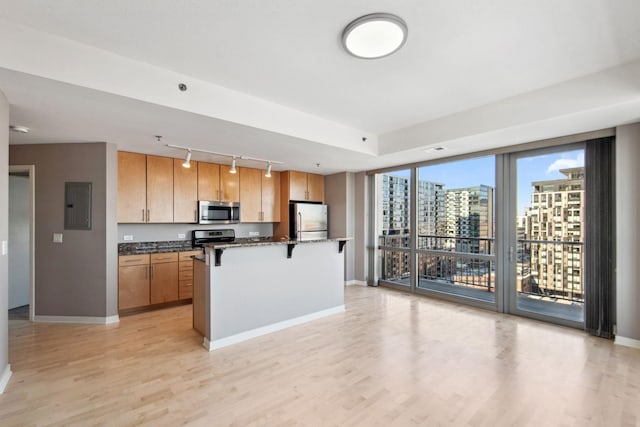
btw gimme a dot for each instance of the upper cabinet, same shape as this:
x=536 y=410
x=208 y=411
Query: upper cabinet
x=217 y=183
x=185 y=192
x=305 y=186
x=154 y=189
x=145 y=188
x=159 y=189
x=132 y=187
x=259 y=196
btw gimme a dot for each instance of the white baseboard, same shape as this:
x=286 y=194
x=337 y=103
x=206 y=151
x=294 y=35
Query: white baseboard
x=627 y=342
x=77 y=319
x=253 y=333
x=4 y=379
x=355 y=282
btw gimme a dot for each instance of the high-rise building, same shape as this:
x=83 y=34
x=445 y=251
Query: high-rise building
x=553 y=233
x=459 y=220
x=469 y=219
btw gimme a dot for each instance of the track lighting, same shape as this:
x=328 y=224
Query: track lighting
x=187 y=161
x=234 y=158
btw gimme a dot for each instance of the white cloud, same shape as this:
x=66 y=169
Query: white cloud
x=565 y=163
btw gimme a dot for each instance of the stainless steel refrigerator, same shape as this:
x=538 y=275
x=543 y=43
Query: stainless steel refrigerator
x=307 y=221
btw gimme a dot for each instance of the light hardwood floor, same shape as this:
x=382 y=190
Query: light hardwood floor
x=390 y=360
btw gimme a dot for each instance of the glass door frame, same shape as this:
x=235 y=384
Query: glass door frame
x=509 y=212
x=414 y=252
x=412 y=237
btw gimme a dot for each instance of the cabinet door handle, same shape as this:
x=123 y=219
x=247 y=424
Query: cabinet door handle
x=219 y=194
x=195 y=214
x=148 y=215
x=151 y=270
x=146 y=272
x=142 y=215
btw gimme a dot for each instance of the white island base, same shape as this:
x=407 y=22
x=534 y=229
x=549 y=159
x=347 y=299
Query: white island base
x=257 y=289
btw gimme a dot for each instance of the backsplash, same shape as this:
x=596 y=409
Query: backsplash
x=170 y=232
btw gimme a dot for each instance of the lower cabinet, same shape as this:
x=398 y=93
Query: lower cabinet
x=145 y=280
x=133 y=281
x=185 y=289
x=164 y=277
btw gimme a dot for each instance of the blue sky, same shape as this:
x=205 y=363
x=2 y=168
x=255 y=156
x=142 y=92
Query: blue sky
x=472 y=172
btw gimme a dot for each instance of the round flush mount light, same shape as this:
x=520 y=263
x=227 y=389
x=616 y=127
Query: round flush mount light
x=374 y=36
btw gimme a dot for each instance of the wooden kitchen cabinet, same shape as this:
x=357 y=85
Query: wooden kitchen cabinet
x=259 y=196
x=185 y=192
x=164 y=277
x=315 y=187
x=132 y=187
x=217 y=183
x=133 y=281
x=305 y=186
x=185 y=289
x=145 y=188
x=159 y=189
x=271 y=197
x=144 y=280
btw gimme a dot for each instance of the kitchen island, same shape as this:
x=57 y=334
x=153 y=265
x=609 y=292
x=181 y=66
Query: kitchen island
x=244 y=290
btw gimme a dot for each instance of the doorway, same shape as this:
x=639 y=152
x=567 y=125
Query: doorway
x=546 y=245
x=21 y=242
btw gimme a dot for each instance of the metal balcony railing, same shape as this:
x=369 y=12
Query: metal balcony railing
x=551 y=268
x=545 y=268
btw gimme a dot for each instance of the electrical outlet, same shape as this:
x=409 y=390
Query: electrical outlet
x=57 y=237
x=254 y=233
x=128 y=237
x=181 y=235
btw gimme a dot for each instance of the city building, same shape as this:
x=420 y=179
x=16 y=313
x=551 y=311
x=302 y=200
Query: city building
x=551 y=237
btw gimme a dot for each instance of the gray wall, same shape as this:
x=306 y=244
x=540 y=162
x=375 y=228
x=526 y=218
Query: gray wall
x=628 y=236
x=4 y=234
x=18 y=241
x=111 y=228
x=361 y=220
x=339 y=190
x=161 y=232
x=77 y=277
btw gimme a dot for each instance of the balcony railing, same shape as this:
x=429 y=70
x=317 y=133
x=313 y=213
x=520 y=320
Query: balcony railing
x=454 y=260
x=550 y=268
x=544 y=268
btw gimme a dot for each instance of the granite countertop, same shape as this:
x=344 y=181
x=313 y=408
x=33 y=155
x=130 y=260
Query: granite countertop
x=243 y=243
x=140 y=248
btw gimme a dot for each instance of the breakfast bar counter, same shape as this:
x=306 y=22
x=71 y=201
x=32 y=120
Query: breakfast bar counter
x=253 y=288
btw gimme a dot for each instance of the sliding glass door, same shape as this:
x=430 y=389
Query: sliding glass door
x=456 y=223
x=547 y=236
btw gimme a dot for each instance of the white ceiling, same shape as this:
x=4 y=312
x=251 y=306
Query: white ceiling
x=461 y=60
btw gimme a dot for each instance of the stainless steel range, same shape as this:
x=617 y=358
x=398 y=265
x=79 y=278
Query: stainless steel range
x=200 y=237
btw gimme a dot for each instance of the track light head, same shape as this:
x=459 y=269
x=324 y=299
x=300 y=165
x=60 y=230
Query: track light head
x=233 y=165
x=187 y=161
x=268 y=174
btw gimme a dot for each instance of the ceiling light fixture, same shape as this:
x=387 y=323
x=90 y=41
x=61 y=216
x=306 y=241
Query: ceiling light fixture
x=18 y=129
x=234 y=157
x=187 y=161
x=374 y=36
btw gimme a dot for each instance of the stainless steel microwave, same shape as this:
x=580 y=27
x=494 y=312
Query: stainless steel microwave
x=218 y=212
